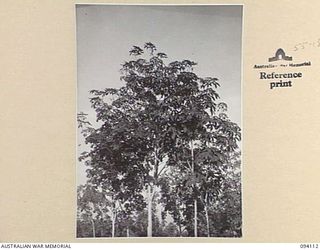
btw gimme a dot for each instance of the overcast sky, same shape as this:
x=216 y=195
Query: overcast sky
x=209 y=35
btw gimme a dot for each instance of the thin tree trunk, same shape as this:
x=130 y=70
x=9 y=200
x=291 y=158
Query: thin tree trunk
x=195 y=199
x=150 y=195
x=179 y=223
x=93 y=229
x=113 y=227
x=160 y=215
x=149 y=229
x=207 y=219
x=128 y=232
x=113 y=218
x=195 y=219
x=207 y=214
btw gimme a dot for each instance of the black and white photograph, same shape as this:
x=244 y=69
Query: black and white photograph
x=159 y=121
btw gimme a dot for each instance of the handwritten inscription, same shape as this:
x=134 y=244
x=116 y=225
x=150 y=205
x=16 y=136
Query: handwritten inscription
x=307 y=44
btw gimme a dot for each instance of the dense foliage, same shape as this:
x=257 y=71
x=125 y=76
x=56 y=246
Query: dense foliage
x=164 y=157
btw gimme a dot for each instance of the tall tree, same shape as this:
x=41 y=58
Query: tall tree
x=162 y=121
x=113 y=166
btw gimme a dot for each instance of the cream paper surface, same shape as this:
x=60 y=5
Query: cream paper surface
x=281 y=138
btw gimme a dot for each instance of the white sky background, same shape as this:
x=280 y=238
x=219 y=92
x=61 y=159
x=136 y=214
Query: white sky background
x=209 y=35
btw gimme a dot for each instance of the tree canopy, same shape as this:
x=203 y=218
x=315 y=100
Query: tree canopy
x=163 y=140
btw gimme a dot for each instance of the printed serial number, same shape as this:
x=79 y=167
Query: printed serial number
x=309 y=245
